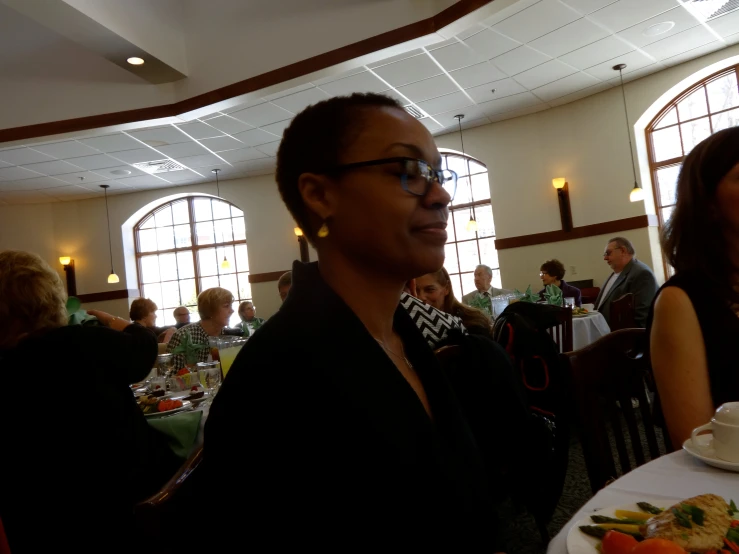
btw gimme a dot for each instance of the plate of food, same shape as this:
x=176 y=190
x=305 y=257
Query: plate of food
x=580 y=312
x=705 y=524
x=154 y=406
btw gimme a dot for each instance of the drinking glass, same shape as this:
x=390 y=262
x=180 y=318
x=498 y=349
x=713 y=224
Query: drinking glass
x=228 y=352
x=210 y=378
x=570 y=302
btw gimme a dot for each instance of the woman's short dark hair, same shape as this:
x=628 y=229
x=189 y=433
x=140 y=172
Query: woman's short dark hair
x=140 y=308
x=554 y=268
x=693 y=239
x=314 y=142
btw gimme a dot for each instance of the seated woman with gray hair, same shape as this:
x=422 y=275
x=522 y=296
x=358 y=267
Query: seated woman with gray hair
x=81 y=440
x=215 y=309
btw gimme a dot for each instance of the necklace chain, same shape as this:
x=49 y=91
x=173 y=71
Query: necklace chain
x=402 y=348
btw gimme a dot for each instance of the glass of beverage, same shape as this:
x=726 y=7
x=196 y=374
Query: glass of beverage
x=210 y=378
x=228 y=351
x=569 y=302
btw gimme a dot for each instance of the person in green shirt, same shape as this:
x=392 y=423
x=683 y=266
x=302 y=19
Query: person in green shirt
x=249 y=320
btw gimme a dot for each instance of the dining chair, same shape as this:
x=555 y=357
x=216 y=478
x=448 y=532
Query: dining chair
x=589 y=294
x=561 y=332
x=622 y=313
x=605 y=377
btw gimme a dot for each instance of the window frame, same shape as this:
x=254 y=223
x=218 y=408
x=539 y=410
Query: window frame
x=194 y=247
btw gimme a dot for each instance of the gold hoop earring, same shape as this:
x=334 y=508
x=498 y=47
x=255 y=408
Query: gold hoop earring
x=323 y=231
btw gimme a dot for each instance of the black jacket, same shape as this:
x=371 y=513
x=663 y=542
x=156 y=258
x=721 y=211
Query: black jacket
x=77 y=453
x=316 y=438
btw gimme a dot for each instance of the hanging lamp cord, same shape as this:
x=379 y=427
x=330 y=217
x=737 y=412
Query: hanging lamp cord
x=467 y=161
x=628 y=132
x=218 y=186
x=107 y=216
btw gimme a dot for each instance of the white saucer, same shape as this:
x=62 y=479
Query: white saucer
x=707 y=455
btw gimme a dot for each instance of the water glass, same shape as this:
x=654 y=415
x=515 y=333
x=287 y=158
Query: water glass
x=210 y=378
x=570 y=302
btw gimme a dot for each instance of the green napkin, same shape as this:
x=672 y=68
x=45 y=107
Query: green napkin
x=482 y=303
x=78 y=316
x=181 y=429
x=528 y=296
x=553 y=295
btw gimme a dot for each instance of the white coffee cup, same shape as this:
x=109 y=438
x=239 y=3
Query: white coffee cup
x=589 y=307
x=725 y=429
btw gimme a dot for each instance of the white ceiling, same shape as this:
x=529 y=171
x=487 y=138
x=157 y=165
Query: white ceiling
x=534 y=54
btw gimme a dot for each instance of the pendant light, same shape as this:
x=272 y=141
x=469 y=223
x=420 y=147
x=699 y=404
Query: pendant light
x=637 y=193
x=225 y=264
x=471 y=224
x=112 y=278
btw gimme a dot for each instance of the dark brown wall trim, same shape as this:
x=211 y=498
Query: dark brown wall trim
x=266 y=277
x=258 y=82
x=607 y=228
x=108 y=295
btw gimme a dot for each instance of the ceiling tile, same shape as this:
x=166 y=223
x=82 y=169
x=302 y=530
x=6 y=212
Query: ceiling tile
x=167 y=134
x=679 y=43
x=476 y=75
x=15 y=173
x=633 y=60
x=442 y=44
x=297 y=102
x=56 y=167
x=430 y=88
x=567 y=98
x=140 y=155
x=567 y=85
x=570 y=37
x=242 y=155
x=65 y=149
x=503 y=88
x=430 y=124
x=228 y=125
x=537 y=20
x=410 y=70
x=726 y=25
x=195 y=162
x=270 y=148
x=587 y=6
x=627 y=13
x=183 y=150
x=263 y=114
x=508 y=11
x=509 y=103
x=519 y=60
x=454 y=101
x=22 y=156
x=396 y=95
x=544 y=73
x=277 y=128
x=112 y=143
x=37 y=183
x=180 y=176
x=281 y=93
x=219 y=144
x=456 y=56
x=4 y=164
x=361 y=82
x=120 y=171
x=393 y=59
x=87 y=177
x=597 y=52
x=98 y=161
x=257 y=165
x=681 y=17
x=140 y=180
x=224 y=171
x=255 y=137
x=695 y=53
x=489 y=44
x=336 y=77
x=470 y=31
x=470 y=113
x=199 y=130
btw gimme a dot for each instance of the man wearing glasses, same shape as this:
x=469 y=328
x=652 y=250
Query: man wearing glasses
x=629 y=276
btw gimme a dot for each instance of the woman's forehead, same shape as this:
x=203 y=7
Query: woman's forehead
x=393 y=132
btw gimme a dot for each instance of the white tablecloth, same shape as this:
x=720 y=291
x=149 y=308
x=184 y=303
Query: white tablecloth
x=676 y=476
x=588 y=329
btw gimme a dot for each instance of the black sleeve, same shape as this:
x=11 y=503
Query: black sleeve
x=128 y=355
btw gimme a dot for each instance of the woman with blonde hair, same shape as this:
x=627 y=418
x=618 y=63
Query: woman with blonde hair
x=215 y=306
x=102 y=443
x=436 y=289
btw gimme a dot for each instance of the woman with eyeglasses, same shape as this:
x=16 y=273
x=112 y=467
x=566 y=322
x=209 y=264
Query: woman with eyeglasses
x=694 y=323
x=336 y=426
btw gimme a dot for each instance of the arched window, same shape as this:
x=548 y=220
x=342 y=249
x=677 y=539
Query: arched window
x=467 y=249
x=703 y=109
x=180 y=251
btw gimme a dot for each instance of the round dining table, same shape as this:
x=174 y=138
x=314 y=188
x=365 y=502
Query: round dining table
x=588 y=329
x=674 y=476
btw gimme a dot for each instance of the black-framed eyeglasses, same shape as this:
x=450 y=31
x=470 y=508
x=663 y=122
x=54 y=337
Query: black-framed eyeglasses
x=609 y=252
x=416 y=176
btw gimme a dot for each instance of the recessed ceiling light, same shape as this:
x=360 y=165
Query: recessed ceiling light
x=659 y=28
x=121 y=172
x=135 y=61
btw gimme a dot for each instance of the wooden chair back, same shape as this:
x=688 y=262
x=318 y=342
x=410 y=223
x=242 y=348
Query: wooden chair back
x=589 y=294
x=562 y=332
x=605 y=376
x=623 y=313
x=4 y=546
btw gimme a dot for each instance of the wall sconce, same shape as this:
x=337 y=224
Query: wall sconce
x=303 y=242
x=68 y=264
x=563 y=194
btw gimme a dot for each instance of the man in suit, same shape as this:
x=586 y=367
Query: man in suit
x=629 y=276
x=483 y=280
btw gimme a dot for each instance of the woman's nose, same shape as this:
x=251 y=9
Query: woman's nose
x=437 y=196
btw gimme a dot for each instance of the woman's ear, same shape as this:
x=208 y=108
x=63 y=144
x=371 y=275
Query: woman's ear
x=318 y=194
